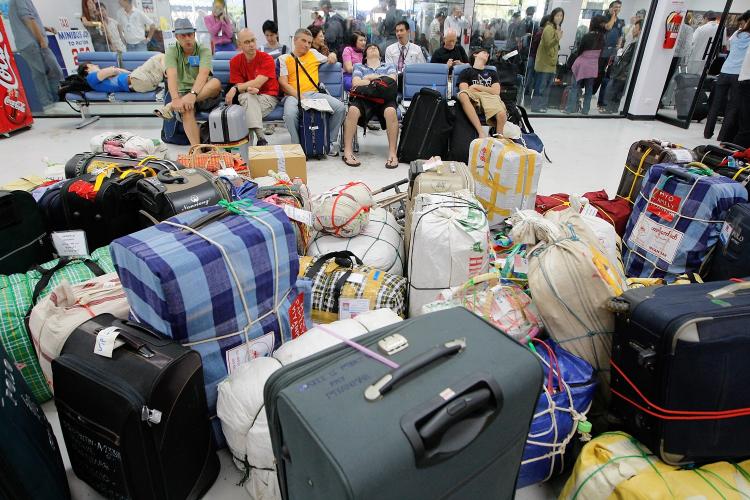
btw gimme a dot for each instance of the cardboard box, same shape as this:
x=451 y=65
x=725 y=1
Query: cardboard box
x=287 y=158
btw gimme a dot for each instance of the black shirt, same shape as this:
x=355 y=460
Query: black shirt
x=442 y=55
x=473 y=76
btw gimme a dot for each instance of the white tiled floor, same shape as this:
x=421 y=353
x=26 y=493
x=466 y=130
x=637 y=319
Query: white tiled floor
x=587 y=155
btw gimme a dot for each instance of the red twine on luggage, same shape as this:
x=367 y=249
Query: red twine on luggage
x=674 y=414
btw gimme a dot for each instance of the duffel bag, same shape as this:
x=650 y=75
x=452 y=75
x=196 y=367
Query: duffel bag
x=96 y=162
x=615 y=211
x=67 y=307
x=344 y=287
x=676 y=221
x=240 y=406
x=20 y=292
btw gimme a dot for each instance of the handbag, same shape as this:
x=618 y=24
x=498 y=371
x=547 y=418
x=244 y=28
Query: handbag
x=212 y=160
x=381 y=90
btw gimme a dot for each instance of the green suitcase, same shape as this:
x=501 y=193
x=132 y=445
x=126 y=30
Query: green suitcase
x=450 y=422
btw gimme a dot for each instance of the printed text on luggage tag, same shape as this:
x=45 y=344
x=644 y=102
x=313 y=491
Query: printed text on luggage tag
x=106 y=341
x=656 y=238
x=664 y=204
x=70 y=243
x=682 y=155
x=726 y=233
x=256 y=348
x=350 y=308
x=298 y=214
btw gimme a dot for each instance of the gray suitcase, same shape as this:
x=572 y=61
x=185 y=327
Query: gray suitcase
x=451 y=422
x=227 y=124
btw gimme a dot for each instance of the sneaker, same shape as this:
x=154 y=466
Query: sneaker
x=261 y=142
x=165 y=112
x=333 y=149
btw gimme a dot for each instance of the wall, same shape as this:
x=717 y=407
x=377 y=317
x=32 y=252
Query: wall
x=256 y=13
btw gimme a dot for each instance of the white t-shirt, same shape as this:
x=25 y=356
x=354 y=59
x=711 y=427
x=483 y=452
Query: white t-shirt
x=115 y=40
x=413 y=54
x=459 y=25
x=701 y=38
x=745 y=69
x=134 y=25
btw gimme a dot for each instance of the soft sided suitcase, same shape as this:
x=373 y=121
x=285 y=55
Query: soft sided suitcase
x=227 y=124
x=88 y=163
x=29 y=455
x=641 y=156
x=135 y=424
x=312 y=126
x=23 y=235
x=680 y=372
x=462 y=133
x=426 y=127
x=447 y=418
x=731 y=256
x=171 y=193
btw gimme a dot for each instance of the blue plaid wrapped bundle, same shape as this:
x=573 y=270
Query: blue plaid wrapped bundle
x=676 y=220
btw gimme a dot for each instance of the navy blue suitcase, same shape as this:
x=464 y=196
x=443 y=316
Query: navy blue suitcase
x=313 y=133
x=30 y=458
x=731 y=257
x=679 y=370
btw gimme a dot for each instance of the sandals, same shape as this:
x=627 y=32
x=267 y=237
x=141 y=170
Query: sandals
x=388 y=164
x=349 y=162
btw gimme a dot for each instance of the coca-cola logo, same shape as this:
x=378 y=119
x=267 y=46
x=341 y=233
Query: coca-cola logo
x=20 y=106
x=8 y=78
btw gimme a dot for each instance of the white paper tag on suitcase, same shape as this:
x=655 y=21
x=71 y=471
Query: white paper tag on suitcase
x=298 y=214
x=70 y=243
x=227 y=172
x=350 y=308
x=682 y=155
x=726 y=233
x=106 y=341
x=256 y=348
x=356 y=278
x=432 y=163
x=658 y=239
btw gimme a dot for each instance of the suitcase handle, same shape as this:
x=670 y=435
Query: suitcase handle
x=138 y=345
x=685 y=176
x=388 y=381
x=729 y=290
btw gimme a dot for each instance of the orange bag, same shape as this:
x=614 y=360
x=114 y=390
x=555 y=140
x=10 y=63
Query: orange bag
x=212 y=160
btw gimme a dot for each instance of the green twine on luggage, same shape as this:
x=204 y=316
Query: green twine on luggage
x=742 y=471
x=241 y=207
x=709 y=483
x=722 y=480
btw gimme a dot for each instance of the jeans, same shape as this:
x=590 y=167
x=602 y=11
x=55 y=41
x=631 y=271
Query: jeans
x=741 y=103
x=603 y=81
x=615 y=90
x=530 y=74
x=224 y=47
x=291 y=115
x=45 y=72
x=541 y=90
x=588 y=85
x=726 y=85
x=137 y=47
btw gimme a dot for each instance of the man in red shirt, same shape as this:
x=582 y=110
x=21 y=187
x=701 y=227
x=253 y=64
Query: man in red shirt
x=253 y=75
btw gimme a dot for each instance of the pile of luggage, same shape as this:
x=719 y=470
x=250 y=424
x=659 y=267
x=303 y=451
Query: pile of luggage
x=463 y=327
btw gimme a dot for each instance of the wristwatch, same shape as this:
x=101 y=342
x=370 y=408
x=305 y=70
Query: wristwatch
x=194 y=93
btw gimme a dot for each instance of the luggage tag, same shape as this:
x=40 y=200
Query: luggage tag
x=350 y=308
x=726 y=233
x=682 y=155
x=194 y=61
x=70 y=243
x=299 y=215
x=106 y=341
x=227 y=172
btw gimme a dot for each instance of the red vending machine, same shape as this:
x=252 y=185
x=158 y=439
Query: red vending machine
x=16 y=112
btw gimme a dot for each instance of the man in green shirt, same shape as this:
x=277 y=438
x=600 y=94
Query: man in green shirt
x=189 y=80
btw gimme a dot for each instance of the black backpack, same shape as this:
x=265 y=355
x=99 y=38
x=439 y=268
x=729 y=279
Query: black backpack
x=74 y=84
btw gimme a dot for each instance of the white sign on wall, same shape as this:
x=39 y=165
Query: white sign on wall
x=72 y=43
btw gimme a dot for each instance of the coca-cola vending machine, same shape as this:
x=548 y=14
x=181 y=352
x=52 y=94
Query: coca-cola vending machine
x=16 y=112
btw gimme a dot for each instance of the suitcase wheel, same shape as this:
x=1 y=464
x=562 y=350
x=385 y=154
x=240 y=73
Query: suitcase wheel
x=618 y=305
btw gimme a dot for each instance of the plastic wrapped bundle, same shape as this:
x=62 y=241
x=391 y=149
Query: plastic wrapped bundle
x=344 y=210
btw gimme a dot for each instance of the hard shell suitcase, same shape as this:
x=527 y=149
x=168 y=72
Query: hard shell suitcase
x=29 y=455
x=731 y=255
x=450 y=422
x=171 y=193
x=227 y=124
x=87 y=163
x=23 y=235
x=426 y=127
x=136 y=424
x=686 y=88
x=680 y=372
x=641 y=156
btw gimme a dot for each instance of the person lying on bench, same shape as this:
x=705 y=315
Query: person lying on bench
x=189 y=80
x=144 y=78
x=368 y=101
x=479 y=89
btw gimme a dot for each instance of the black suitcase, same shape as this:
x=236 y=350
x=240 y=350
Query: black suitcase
x=24 y=240
x=426 y=128
x=686 y=86
x=30 y=460
x=462 y=133
x=713 y=156
x=50 y=204
x=731 y=255
x=450 y=422
x=679 y=359
x=86 y=163
x=135 y=425
x=171 y=193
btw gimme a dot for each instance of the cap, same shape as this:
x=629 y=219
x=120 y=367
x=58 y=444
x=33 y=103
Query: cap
x=183 y=26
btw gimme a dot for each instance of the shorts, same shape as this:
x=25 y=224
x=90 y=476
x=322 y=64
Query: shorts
x=369 y=109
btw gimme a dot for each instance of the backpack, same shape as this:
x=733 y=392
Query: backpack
x=74 y=84
x=379 y=91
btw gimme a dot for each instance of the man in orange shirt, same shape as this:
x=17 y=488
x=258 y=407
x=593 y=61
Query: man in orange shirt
x=311 y=60
x=253 y=75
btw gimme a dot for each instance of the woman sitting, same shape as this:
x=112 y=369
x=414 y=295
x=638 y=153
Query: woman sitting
x=361 y=110
x=319 y=40
x=352 y=55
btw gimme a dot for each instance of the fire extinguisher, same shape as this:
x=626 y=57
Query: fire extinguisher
x=674 y=20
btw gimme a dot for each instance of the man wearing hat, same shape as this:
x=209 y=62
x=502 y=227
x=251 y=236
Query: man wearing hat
x=703 y=37
x=189 y=80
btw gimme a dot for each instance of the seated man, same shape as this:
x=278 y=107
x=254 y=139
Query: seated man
x=361 y=110
x=451 y=53
x=310 y=61
x=253 y=74
x=403 y=52
x=144 y=78
x=189 y=80
x=479 y=88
